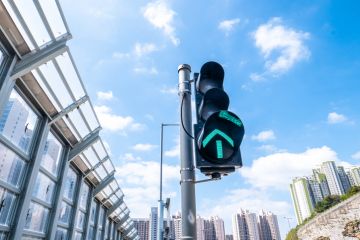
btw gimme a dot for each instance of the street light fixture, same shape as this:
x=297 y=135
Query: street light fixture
x=160 y=227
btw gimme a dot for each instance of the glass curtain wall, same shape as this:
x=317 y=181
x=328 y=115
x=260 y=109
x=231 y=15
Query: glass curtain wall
x=80 y=220
x=67 y=205
x=45 y=187
x=18 y=130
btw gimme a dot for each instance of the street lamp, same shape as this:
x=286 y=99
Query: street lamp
x=288 y=220
x=160 y=228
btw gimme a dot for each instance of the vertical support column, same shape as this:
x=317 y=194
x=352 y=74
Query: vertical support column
x=102 y=237
x=6 y=83
x=113 y=231
x=33 y=171
x=76 y=208
x=88 y=216
x=59 y=196
x=188 y=205
x=97 y=220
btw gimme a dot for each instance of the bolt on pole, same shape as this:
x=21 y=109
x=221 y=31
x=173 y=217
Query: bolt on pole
x=188 y=205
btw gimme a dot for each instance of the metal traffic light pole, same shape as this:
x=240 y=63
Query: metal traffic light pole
x=188 y=205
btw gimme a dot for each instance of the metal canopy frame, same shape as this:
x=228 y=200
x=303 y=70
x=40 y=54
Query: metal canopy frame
x=78 y=109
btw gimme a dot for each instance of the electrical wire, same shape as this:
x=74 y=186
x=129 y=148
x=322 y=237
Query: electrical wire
x=181 y=117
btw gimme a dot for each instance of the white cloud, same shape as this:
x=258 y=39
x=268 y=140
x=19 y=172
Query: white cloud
x=356 y=155
x=141 y=49
x=142 y=184
x=277 y=170
x=268 y=148
x=105 y=95
x=168 y=90
x=149 y=117
x=144 y=70
x=130 y=157
x=256 y=77
x=334 y=118
x=175 y=151
x=228 y=25
x=250 y=199
x=120 y=55
x=143 y=147
x=264 y=136
x=289 y=43
x=161 y=17
x=113 y=122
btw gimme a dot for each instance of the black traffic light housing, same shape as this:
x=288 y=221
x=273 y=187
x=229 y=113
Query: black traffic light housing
x=218 y=132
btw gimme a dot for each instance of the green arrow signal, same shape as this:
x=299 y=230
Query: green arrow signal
x=213 y=134
x=219 y=149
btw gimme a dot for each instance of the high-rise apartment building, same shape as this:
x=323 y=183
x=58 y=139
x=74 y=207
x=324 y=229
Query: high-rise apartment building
x=239 y=226
x=245 y=226
x=210 y=229
x=301 y=196
x=153 y=219
x=355 y=175
x=351 y=179
x=321 y=179
x=315 y=192
x=332 y=177
x=177 y=225
x=268 y=226
x=219 y=228
x=344 y=179
x=142 y=227
x=200 y=228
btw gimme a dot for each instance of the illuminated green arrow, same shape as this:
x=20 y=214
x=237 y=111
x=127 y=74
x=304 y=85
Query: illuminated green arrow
x=213 y=134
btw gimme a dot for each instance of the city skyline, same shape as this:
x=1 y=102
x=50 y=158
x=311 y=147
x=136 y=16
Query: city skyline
x=245 y=226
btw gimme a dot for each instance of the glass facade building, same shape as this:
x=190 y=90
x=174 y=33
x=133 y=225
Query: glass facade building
x=56 y=177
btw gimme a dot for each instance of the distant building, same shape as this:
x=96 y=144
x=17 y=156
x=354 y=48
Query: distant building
x=351 y=179
x=153 y=219
x=332 y=177
x=200 y=228
x=219 y=228
x=268 y=226
x=344 y=179
x=355 y=175
x=177 y=225
x=245 y=226
x=301 y=196
x=316 y=193
x=321 y=179
x=142 y=227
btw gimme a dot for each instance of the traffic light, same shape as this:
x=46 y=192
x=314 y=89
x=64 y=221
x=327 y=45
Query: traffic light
x=218 y=132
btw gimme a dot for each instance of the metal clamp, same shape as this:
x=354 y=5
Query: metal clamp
x=184 y=87
x=187 y=169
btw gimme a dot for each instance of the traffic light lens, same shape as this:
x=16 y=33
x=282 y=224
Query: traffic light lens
x=220 y=137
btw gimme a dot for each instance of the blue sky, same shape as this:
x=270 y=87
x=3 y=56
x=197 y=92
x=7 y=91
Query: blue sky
x=291 y=71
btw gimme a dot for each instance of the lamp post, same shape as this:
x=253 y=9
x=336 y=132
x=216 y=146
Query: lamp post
x=288 y=220
x=160 y=227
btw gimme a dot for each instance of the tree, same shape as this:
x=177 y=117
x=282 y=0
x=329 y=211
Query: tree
x=292 y=235
x=327 y=203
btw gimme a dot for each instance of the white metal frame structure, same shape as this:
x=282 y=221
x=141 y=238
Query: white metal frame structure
x=56 y=177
